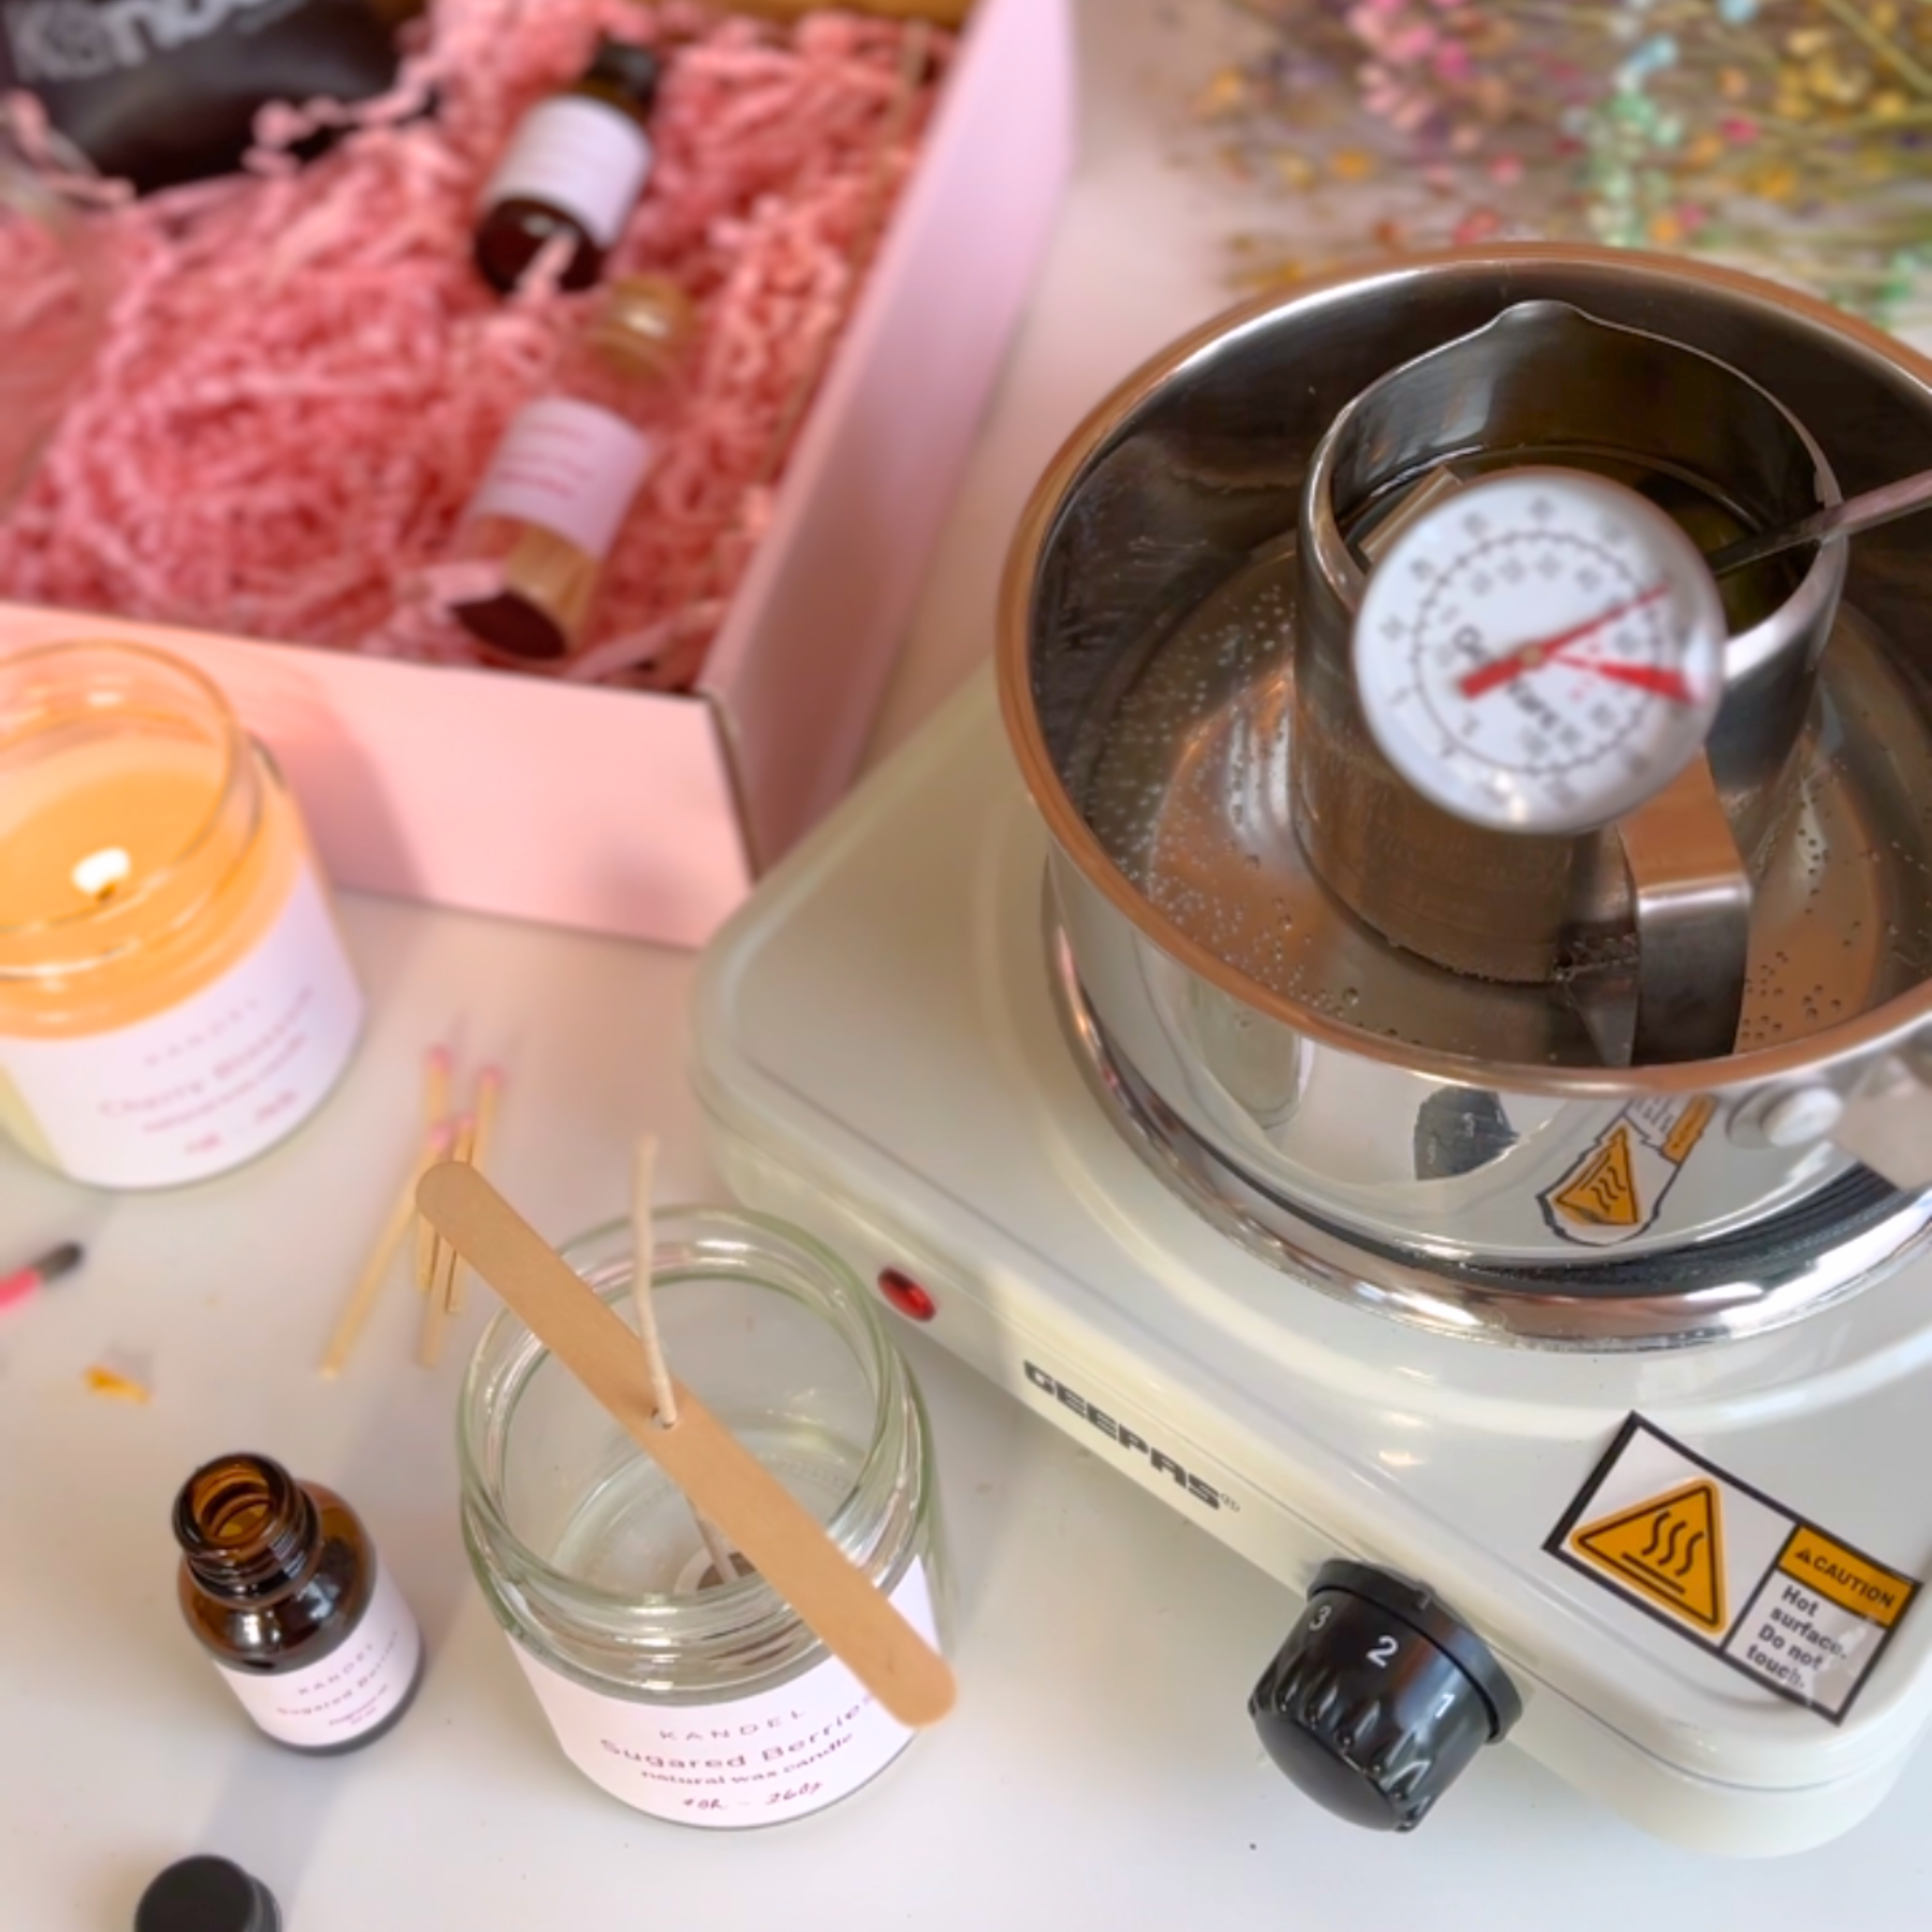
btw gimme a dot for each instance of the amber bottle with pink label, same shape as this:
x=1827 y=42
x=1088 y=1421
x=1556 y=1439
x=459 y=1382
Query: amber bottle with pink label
x=281 y=1585
x=572 y=173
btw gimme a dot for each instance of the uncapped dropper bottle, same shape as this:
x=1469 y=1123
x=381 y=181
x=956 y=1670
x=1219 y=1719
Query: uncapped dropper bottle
x=562 y=478
x=280 y=1583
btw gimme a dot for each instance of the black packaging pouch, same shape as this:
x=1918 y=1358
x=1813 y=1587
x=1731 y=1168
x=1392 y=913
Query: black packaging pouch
x=164 y=91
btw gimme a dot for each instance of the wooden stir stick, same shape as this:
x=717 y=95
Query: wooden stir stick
x=779 y=1537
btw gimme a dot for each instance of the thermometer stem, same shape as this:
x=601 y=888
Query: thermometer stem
x=1513 y=663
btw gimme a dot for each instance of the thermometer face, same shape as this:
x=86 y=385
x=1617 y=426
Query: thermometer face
x=1541 y=651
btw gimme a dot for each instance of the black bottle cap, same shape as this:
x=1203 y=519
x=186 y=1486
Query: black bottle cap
x=634 y=70
x=207 y=1894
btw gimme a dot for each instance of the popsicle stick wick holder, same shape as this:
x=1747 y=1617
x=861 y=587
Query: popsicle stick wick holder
x=723 y=1483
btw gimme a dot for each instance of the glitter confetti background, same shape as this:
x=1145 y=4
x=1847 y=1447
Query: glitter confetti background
x=1790 y=136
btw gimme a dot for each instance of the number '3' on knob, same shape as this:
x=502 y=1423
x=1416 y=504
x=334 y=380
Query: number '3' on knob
x=1379 y=1698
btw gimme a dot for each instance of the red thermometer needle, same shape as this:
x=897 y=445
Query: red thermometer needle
x=1513 y=664
x=1647 y=677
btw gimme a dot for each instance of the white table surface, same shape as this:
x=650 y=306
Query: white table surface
x=1100 y=1770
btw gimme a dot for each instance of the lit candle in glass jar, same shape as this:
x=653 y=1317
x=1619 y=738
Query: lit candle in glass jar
x=174 y=996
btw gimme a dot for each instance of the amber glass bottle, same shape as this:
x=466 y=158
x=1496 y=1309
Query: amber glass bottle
x=280 y=1583
x=575 y=166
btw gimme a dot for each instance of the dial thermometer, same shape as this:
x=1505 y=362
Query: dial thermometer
x=1540 y=650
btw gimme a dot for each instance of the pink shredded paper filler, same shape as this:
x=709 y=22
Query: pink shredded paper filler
x=303 y=376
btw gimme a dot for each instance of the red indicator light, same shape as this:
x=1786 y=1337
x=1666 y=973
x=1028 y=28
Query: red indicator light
x=907 y=1295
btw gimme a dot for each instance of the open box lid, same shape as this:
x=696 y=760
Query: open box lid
x=801 y=659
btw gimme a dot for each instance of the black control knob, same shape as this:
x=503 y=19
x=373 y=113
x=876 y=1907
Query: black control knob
x=1379 y=1698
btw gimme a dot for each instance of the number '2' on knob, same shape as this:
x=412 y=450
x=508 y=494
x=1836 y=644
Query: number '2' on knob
x=1379 y=1698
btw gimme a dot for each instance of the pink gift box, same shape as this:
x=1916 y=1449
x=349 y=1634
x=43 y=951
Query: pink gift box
x=650 y=815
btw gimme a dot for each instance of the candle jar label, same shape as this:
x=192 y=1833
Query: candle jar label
x=358 y=1686
x=750 y=1760
x=211 y=1082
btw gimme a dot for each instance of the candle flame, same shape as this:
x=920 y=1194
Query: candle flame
x=99 y=873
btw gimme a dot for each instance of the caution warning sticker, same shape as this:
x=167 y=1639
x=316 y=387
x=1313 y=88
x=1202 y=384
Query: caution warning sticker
x=1670 y=1548
x=1719 y=1562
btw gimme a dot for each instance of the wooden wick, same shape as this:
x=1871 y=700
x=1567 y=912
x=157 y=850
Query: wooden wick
x=395 y=1229
x=663 y=1391
x=784 y=1541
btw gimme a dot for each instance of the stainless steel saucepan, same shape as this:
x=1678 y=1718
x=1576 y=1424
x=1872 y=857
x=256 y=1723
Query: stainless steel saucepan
x=1662 y=920
x=1148 y=658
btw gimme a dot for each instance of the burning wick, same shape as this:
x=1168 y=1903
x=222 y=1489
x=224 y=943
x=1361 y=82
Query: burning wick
x=100 y=873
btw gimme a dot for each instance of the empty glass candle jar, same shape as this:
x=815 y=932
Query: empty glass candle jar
x=689 y=1698
x=174 y=996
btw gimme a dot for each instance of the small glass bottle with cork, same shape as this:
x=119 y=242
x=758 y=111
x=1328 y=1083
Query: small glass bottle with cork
x=571 y=463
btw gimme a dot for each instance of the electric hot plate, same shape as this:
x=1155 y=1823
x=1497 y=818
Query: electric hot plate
x=1691 y=1567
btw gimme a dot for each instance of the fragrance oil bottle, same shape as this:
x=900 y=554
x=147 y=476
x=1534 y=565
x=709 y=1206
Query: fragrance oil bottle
x=575 y=166
x=562 y=478
x=280 y=1584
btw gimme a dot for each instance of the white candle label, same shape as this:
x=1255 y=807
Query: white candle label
x=359 y=1684
x=569 y=467
x=578 y=154
x=211 y=1082
x=754 y=1760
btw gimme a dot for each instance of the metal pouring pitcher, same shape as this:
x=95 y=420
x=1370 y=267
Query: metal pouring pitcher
x=1648 y=919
